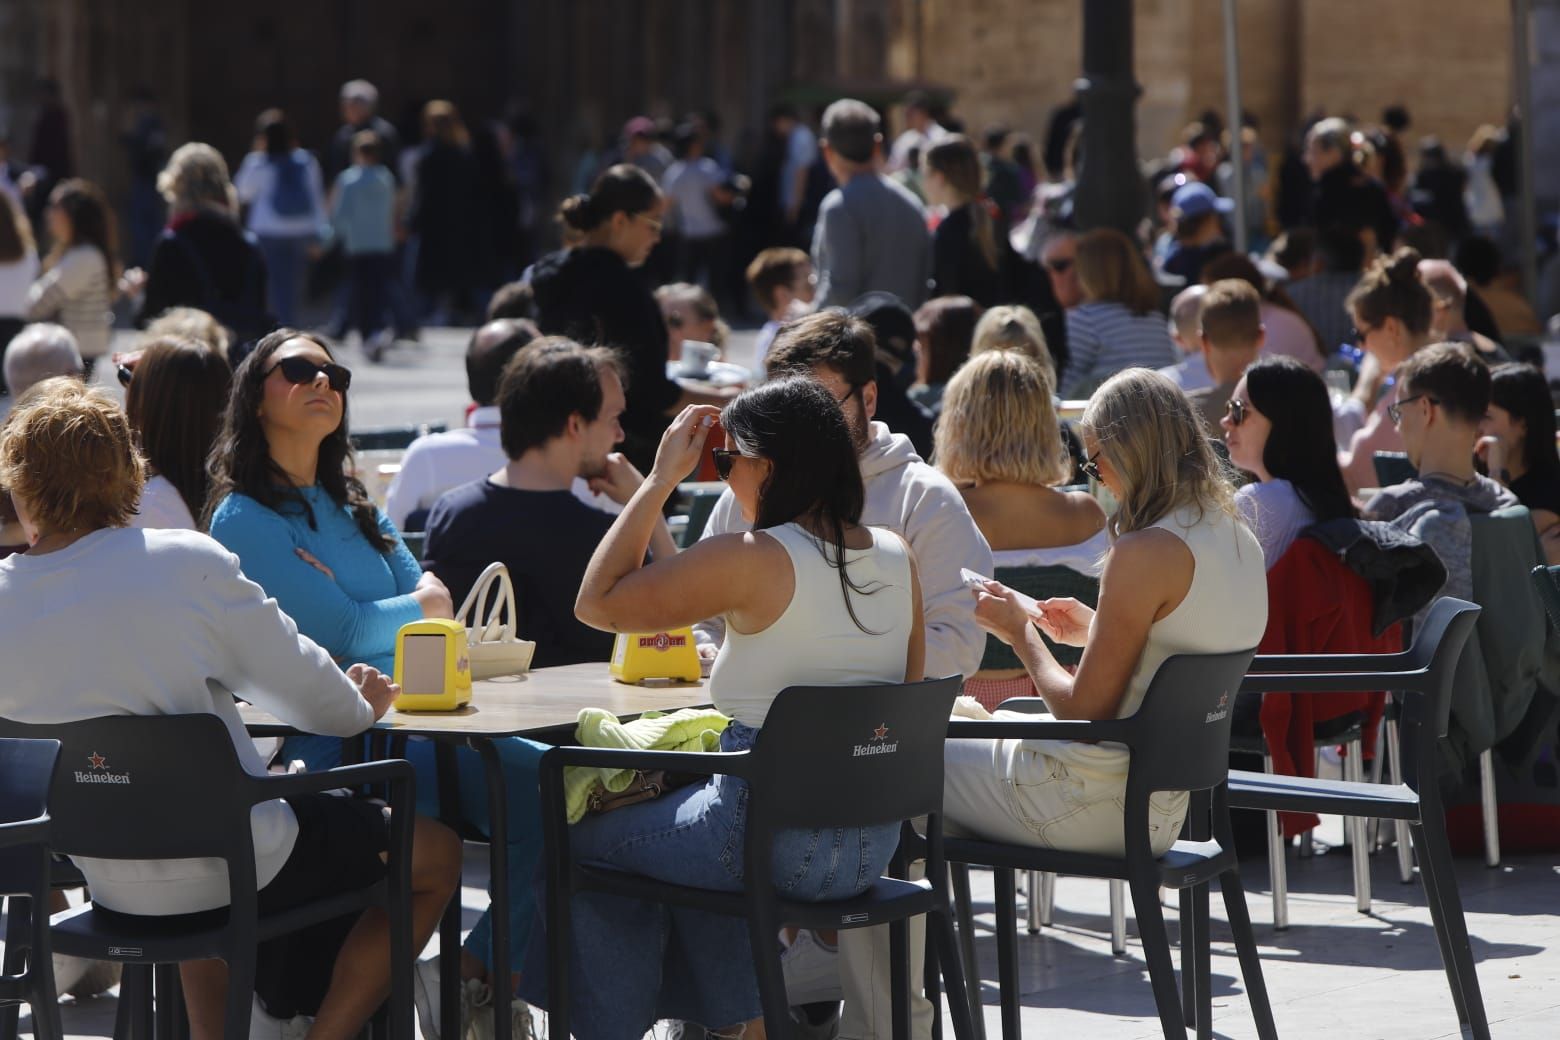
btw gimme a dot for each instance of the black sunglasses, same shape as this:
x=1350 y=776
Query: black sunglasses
x=723 y=459
x=1091 y=465
x=1058 y=266
x=1236 y=411
x=125 y=374
x=301 y=370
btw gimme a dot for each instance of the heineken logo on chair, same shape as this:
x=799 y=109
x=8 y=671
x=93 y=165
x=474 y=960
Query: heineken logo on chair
x=100 y=773
x=878 y=744
x=1223 y=709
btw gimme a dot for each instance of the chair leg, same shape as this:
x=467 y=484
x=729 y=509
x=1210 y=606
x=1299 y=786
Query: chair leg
x=16 y=947
x=899 y=976
x=1196 y=962
x=763 y=927
x=1405 y=850
x=1033 y=904
x=1246 y=949
x=241 y=986
x=1156 y=951
x=1118 y=917
x=1354 y=769
x=1435 y=860
x=31 y=930
x=941 y=937
x=959 y=882
x=1047 y=898
x=166 y=993
x=1491 y=808
x=1278 y=871
x=1007 y=953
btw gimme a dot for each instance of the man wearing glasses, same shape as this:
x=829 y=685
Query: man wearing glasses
x=1441 y=394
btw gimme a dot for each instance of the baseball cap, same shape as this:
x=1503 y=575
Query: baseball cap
x=893 y=325
x=639 y=126
x=1196 y=198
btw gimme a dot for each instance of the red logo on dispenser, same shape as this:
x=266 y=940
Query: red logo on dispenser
x=662 y=642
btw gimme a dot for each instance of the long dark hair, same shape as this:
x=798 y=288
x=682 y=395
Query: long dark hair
x=16 y=239
x=798 y=426
x=175 y=404
x=1300 y=448
x=1523 y=391
x=91 y=224
x=241 y=458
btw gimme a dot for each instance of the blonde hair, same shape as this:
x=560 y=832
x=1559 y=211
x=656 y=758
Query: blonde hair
x=195 y=178
x=1144 y=425
x=998 y=423
x=190 y=323
x=1012 y=327
x=1111 y=269
x=67 y=451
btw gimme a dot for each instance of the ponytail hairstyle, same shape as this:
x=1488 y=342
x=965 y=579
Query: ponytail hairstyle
x=1300 y=447
x=240 y=460
x=1013 y=327
x=623 y=188
x=1392 y=289
x=956 y=160
x=798 y=427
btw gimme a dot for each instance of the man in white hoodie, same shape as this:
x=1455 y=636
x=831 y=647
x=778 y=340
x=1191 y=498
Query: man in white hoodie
x=910 y=498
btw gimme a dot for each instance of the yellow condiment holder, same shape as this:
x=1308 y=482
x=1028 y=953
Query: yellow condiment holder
x=432 y=666
x=640 y=656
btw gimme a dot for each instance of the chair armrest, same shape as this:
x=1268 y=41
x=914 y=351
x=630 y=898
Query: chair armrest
x=1300 y=664
x=1335 y=682
x=25 y=832
x=397 y=772
x=1051 y=729
x=705 y=763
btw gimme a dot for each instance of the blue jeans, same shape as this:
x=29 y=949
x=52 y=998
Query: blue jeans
x=519 y=759
x=286 y=262
x=634 y=962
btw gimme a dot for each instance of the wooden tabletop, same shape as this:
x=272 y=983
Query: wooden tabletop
x=542 y=699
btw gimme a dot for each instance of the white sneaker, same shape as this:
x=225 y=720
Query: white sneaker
x=262 y=1026
x=475 y=1001
x=812 y=970
x=521 y=1025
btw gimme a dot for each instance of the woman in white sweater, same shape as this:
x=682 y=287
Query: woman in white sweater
x=175 y=628
x=77 y=286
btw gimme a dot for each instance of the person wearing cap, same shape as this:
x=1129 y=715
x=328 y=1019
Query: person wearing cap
x=359 y=112
x=1199 y=230
x=642 y=147
x=871 y=233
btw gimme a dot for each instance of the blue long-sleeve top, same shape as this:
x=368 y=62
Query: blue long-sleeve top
x=356 y=616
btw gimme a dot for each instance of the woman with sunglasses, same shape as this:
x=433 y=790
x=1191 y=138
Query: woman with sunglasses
x=810 y=596
x=1183 y=575
x=594 y=293
x=1278 y=426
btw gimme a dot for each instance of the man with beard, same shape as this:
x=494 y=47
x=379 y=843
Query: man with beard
x=560 y=406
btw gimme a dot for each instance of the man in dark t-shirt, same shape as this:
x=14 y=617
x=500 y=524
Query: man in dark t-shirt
x=560 y=406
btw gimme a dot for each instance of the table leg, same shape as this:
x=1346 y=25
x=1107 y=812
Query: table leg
x=498 y=860
x=449 y=925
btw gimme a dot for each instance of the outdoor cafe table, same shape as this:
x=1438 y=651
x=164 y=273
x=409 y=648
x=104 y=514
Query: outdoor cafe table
x=542 y=704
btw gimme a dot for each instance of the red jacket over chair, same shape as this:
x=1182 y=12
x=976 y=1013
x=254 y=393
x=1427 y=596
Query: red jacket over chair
x=1316 y=605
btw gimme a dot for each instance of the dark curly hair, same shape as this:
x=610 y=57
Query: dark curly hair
x=241 y=460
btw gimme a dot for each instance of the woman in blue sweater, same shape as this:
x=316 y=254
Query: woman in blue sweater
x=307 y=533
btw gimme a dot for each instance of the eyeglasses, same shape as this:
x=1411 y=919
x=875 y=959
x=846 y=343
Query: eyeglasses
x=1395 y=411
x=1059 y=266
x=1235 y=411
x=1091 y=465
x=723 y=460
x=301 y=370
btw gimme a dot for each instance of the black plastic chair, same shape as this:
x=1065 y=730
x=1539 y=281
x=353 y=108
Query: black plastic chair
x=415 y=541
x=1421 y=678
x=1392 y=467
x=1179 y=741
x=26 y=769
x=801 y=773
x=186 y=795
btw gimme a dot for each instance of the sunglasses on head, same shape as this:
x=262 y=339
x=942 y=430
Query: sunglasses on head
x=1235 y=411
x=1091 y=465
x=301 y=370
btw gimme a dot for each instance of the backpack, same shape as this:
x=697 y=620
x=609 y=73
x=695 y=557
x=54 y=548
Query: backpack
x=290 y=189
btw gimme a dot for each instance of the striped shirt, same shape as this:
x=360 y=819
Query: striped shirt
x=1104 y=338
x=75 y=292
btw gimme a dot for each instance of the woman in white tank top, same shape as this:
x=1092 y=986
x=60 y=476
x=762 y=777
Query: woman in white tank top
x=809 y=597
x=1184 y=575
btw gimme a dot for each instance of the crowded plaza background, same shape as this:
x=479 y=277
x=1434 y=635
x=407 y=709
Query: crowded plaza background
x=943 y=371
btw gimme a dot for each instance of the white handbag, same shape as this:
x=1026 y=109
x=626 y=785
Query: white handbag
x=490 y=640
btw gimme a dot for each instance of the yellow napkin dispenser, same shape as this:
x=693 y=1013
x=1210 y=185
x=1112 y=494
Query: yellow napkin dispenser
x=432 y=666
x=655 y=655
